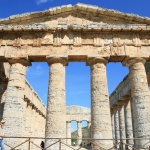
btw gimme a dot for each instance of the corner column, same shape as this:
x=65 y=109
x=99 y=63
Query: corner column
x=68 y=132
x=56 y=108
x=140 y=102
x=79 y=134
x=15 y=106
x=100 y=109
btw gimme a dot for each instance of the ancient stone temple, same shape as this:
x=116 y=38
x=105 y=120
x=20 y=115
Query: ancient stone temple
x=80 y=33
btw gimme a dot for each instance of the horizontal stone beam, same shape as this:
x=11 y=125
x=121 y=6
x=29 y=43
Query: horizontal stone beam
x=34 y=100
x=75 y=27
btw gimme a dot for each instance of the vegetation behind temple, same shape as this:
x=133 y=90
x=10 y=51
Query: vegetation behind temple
x=84 y=135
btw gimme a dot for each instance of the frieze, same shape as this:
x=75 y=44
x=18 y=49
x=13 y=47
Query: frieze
x=47 y=38
x=57 y=39
x=136 y=39
x=77 y=39
x=97 y=39
x=37 y=40
x=117 y=41
x=17 y=41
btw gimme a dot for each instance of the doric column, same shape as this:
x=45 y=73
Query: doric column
x=116 y=122
x=68 y=132
x=140 y=101
x=89 y=130
x=113 y=125
x=128 y=122
x=121 y=123
x=100 y=109
x=79 y=134
x=56 y=109
x=15 y=106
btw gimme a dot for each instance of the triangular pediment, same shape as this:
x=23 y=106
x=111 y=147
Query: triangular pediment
x=81 y=14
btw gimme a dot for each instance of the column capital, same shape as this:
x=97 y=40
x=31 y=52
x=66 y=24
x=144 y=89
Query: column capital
x=91 y=60
x=24 y=61
x=129 y=61
x=63 y=59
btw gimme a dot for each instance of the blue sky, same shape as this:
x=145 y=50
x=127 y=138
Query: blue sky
x=77 y=74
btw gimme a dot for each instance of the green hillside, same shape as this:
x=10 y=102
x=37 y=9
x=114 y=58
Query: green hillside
x=85 y=133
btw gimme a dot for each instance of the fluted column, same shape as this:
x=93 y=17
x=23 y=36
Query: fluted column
x=116 y=122
x=100 y=109
x=56 y=109
x=68 y=132
x=140 y=101
x=128 y=122
x=121 y=123
x=79 y=134
x=15 y=106
x=113 y=125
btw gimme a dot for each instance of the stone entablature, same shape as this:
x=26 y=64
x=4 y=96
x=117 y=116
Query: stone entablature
x=75 y=27
x=122 y=90
x=105 y=33
x=78 y=113
x=32 y=97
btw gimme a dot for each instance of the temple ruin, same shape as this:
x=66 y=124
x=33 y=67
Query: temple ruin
x=80 y=33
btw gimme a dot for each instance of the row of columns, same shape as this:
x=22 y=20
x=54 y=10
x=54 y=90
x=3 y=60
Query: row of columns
x=122 y=123
x=100 y=111
x=131 y=116
x=79 y=132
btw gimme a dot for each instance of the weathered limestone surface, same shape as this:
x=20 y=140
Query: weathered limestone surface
x=100 y=111
x=15 y=97
x=128 y=122
x=32 y=102
x=78 y=31
x=68 y=129
x=62 y=30
x=113 y=125
x=78 y=113
x=122 y=123
x=79 y=134
x=89 y=128
x=116 y=122
x=140 y=99
x=56 y=110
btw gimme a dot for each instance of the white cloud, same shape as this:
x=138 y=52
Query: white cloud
x=42 y=1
